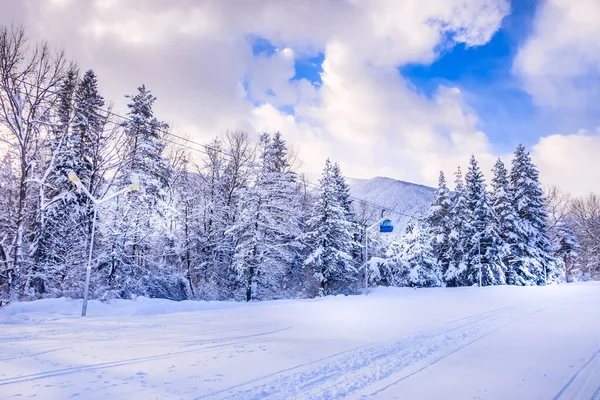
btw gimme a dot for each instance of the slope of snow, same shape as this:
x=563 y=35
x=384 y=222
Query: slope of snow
x=407 y=198
x=464 y=343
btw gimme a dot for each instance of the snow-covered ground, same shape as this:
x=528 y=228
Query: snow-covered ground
x=466 y=343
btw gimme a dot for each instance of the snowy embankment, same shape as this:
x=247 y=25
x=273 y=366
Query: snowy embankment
x=465 y=343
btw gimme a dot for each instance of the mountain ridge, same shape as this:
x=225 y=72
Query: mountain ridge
x=400 y=200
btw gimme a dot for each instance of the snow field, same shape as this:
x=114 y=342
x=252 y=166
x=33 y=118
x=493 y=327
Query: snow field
x=396 y=343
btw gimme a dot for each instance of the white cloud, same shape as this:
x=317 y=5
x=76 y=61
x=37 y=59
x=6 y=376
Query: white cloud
x=195 y=56
x=380 y=126
x=570 y=161
x=559 y=63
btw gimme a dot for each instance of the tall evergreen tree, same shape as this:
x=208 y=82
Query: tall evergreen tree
x=88 y=128
x=566 y=249
x=534 y=254
x=419 y=266
x=140 y=232
x=60 y=246
x=269 y=223
x=343 y=190
x=329 y=239
x=458 y=238
x=438 y=220
x=507 y=224
x=484 y=247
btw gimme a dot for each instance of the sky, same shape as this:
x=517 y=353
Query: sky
x=397 y=88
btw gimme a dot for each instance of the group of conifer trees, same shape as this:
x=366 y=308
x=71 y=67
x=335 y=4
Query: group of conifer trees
x=473 y=235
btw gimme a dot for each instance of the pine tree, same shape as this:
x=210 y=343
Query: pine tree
x=566 y=249
x=343 y=190
x=438 y=220
x=534 y=259
x=419 y=266
x=458 y=238
x=507 y=224
x=137 y=265
x=390 y=271
x=484 y=247
x=60 y=246
x=329 y=239
x=269 y=223
x=88 y=128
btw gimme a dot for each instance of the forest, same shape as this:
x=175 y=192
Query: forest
x=234 y=219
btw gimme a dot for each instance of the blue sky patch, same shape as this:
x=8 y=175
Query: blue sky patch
x=261 y=46
x=309 y=68
x=484 y=75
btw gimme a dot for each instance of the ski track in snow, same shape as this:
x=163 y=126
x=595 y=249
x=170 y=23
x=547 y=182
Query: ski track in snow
x=345 y=373
x=217 y=343
x=575 y=376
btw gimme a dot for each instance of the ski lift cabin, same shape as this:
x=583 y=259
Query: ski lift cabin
x=386 y=226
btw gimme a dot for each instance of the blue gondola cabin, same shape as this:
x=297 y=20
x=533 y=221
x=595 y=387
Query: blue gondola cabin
x=386 y=226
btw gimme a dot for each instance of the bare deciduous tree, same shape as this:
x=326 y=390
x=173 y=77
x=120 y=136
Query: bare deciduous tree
x=29 y=77
x=585 y=214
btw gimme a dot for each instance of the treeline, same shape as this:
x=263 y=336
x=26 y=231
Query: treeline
x=474 y=236
x=512 y=233
x=237 y=222
x=232 y=219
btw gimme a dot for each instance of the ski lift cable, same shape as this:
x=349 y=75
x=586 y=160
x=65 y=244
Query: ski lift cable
x=206 y=148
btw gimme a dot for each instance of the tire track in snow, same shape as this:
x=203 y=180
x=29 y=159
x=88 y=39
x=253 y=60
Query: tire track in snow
x=111 y=364
x=344 y=373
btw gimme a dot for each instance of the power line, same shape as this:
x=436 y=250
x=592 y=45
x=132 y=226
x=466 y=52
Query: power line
x=207 y=147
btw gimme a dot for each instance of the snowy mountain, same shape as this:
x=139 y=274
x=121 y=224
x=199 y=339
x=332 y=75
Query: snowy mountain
x=396 y=196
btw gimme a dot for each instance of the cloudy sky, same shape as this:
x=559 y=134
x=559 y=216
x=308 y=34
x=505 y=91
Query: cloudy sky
x=398 y=88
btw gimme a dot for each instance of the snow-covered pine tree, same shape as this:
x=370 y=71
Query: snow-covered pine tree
x=534 y=258
x=484 y=247
x=343 y=190
x=140 y=231
x=60 y=247
x=88 y=129
x=458 y=238
x=507 y=225
x=419 y=267
x=438 y=220
x=301 y=278
x=268 y=225
x=329 y=236
x=566 y=249
x=389 y=269
x=291 y=193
